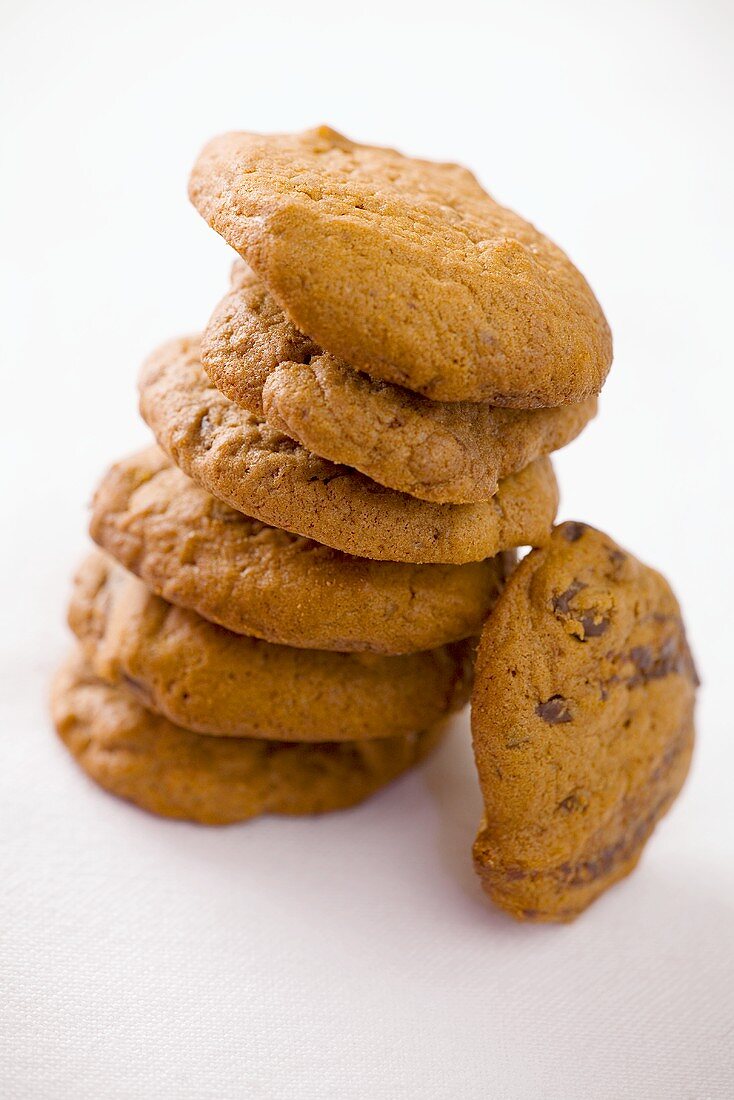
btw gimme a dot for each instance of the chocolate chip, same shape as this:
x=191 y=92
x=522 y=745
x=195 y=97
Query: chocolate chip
x=642 y=658
x=554 y=711
x=562 y=602
x=656 y=666
x=572 y=531
x=592 y=625
x=686 y=663
x=593 y=629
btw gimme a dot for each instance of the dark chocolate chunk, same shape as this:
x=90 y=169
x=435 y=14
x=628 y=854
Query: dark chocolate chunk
x=593 y=629
x=554 y=711
x=572 y=531
x=655 y=666
x=562 y=602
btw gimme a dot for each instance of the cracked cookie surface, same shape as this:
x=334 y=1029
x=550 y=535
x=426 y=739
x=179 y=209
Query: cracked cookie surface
x=450 y=453
x=239 y=459
x=172 y=772
x=199 y=553
x=582 y=722
x=406 y=268
x=209 y=680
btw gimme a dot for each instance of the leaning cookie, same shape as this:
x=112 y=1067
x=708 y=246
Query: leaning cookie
x=406 y=269
x=209 y=680
x=172 y=772
x=252 y=579
x=450 y=453
x=582 y=719
x=265 y=474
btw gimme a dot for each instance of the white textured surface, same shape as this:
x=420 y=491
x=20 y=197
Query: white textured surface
x=353 y=956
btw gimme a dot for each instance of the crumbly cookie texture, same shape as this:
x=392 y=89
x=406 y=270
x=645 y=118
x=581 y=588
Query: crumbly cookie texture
x=253 y=579
x=405 y=268
x=210 y=680
x=450 y=453
x=265 y=474
x=582 y=720
x=172 y=772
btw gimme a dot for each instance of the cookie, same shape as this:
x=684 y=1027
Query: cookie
x=582 y=720
x=450 y=453
x=265 y=474
x=172 y=772
x=199 y=553
x=406 y=269
x=210 y=680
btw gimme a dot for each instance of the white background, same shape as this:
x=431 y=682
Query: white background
x=354 y=956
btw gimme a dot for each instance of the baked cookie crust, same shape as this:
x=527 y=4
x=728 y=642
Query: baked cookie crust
x=169 y=771
x=450 y=453
x=199 y=553
x=262 y=472
x=406 y=268
x=582 y=721
x=209 y=680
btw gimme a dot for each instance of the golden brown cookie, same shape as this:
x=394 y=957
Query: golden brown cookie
x=266 y=475
x=199 y=553
x=170 y=771
x=209 y=680
x=450 y=453
x=405 y=268
x=582 y=719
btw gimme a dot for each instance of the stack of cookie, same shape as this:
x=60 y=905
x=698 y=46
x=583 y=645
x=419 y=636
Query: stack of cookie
x=290 y=584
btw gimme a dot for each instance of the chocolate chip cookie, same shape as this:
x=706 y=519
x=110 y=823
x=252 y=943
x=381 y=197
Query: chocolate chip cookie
x=172 y=772
x=405 y=268
x=252 y=579
x=450 y=453
x=582 y=719
x=210 y=680
x=265 y=474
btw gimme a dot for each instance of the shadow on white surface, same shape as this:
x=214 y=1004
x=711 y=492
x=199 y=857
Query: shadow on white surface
x=183 y=961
